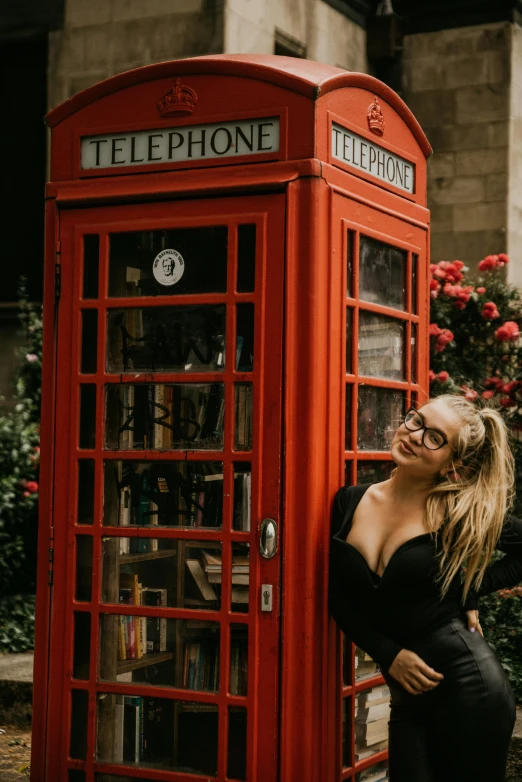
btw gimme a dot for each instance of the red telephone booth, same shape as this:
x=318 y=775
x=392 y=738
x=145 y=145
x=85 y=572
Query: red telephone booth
x=236 y=309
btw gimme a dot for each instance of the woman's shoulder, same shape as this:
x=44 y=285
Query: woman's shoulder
x=345 y=499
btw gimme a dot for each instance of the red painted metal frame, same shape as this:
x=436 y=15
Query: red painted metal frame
x=268 y=213
x=311 y=388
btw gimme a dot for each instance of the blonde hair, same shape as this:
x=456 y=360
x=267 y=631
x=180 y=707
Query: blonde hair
x=469 y=504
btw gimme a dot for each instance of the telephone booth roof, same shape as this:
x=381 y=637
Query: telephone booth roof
x=306 y=96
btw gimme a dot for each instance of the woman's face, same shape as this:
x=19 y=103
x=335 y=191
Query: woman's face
x=409 y=452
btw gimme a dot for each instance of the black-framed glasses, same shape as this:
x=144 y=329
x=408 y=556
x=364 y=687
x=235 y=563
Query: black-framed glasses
x=431 y=438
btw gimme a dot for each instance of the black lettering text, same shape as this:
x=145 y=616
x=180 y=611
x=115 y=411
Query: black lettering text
x=407 y=170
x=390 y=169
x=228 y=144
x=134 y=159
x=373 y=157
x=116 y=149
x=261 y=135
x=399 y=170
x=337 y=134
x=381 y=159
x=193 y=141
x=363 y=148
x=346 y=148
x=249 y=144
x=172 y=146
x=152 y=146
x=97 y=143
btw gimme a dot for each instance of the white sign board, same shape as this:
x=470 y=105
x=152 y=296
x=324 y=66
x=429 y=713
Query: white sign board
x=364 y=155
x=259 y=136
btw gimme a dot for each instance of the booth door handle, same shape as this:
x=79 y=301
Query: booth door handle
x=268 y=538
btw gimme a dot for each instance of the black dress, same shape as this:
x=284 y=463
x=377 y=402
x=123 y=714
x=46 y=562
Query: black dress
x=460 y=730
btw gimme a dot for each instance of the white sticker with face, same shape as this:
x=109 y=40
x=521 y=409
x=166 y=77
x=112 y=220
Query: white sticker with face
x=168 y=267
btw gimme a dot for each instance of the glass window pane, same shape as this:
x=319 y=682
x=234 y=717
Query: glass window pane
x=166 y=339
x=374 y=471
x=87 y=415
x=382 y=273
x=154 y=650
x=238 y=659
x=83 y=567
x=237 y=742
x=245 y=337
x=375 y=773
x=350 y=249
x=243 y=417
x=372 y=714
x=348 y=419
x=163 y=494
x=158 y=733
x=82 y=645
x=242 y=496
x=79 y=713
x=85 y=491
x=89 y=360
x=381 y=346
x=246 y=258
x=175 y=573
x=347 y=731
x=240 y=577
x=349 y=340
x=168 y=263
x=365 y=667
x=76 y=776
x=414 y=292
x=380 y=412
x=91 y=262
x=182 y=416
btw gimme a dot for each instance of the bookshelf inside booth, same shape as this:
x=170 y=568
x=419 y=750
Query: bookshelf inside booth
x=164 y=410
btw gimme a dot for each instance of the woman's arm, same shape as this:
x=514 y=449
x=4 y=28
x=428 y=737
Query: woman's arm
x=506 y=572
x=343 y=604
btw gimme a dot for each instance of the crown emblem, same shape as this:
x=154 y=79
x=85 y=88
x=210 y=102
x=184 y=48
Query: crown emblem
x=375 y=118
x=178 y=100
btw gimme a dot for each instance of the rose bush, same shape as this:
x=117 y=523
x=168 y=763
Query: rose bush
x=19 y=462
x=476 y=351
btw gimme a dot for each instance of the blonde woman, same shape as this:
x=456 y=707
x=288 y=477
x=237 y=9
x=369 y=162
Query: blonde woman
x=397 y=554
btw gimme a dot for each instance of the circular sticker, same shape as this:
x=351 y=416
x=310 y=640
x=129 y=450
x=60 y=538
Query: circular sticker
x=168 y=267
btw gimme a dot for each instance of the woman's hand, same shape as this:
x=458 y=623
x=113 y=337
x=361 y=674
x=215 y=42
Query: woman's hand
x=473 y=622
x=413 y=673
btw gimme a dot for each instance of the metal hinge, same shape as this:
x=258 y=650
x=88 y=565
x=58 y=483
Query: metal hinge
x=57 y=272
x=50 y=571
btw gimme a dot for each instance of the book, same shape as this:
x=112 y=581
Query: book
x=201 y=579
x=361 y=752
x=156 y=626
x=374 y=712
x=118 y=729
x=132 y=710
x=368 y=733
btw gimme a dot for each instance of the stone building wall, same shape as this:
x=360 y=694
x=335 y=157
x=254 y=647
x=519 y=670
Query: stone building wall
x=103 y=37
x=459 y=85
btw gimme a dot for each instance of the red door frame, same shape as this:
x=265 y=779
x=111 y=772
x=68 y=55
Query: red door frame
x=268 y=213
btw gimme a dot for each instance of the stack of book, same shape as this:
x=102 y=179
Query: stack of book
x=378 y=773
x=207 y=571
x=201 y=665
x=371 y=721
x=365 y=667
x=139 y=635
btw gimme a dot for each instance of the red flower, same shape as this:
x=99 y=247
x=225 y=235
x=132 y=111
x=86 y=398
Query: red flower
x=471 y=395
x=459 y=305
x=458 y=265
x=481 y=290
x=434 y=285
x=431 y=375
x=508 y=331
x=490 y=311
x=434 y=330
x=30 y=486
x=503 y=258
x=443 y=376
x=508 y=388
x=506 y=401
x=487 y=394
x=489 y=263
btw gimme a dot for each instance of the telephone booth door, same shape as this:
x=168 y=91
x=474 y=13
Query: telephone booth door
x=168 y=449
x=385 y=317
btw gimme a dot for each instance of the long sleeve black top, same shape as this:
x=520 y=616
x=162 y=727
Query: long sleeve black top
x=384 y=614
